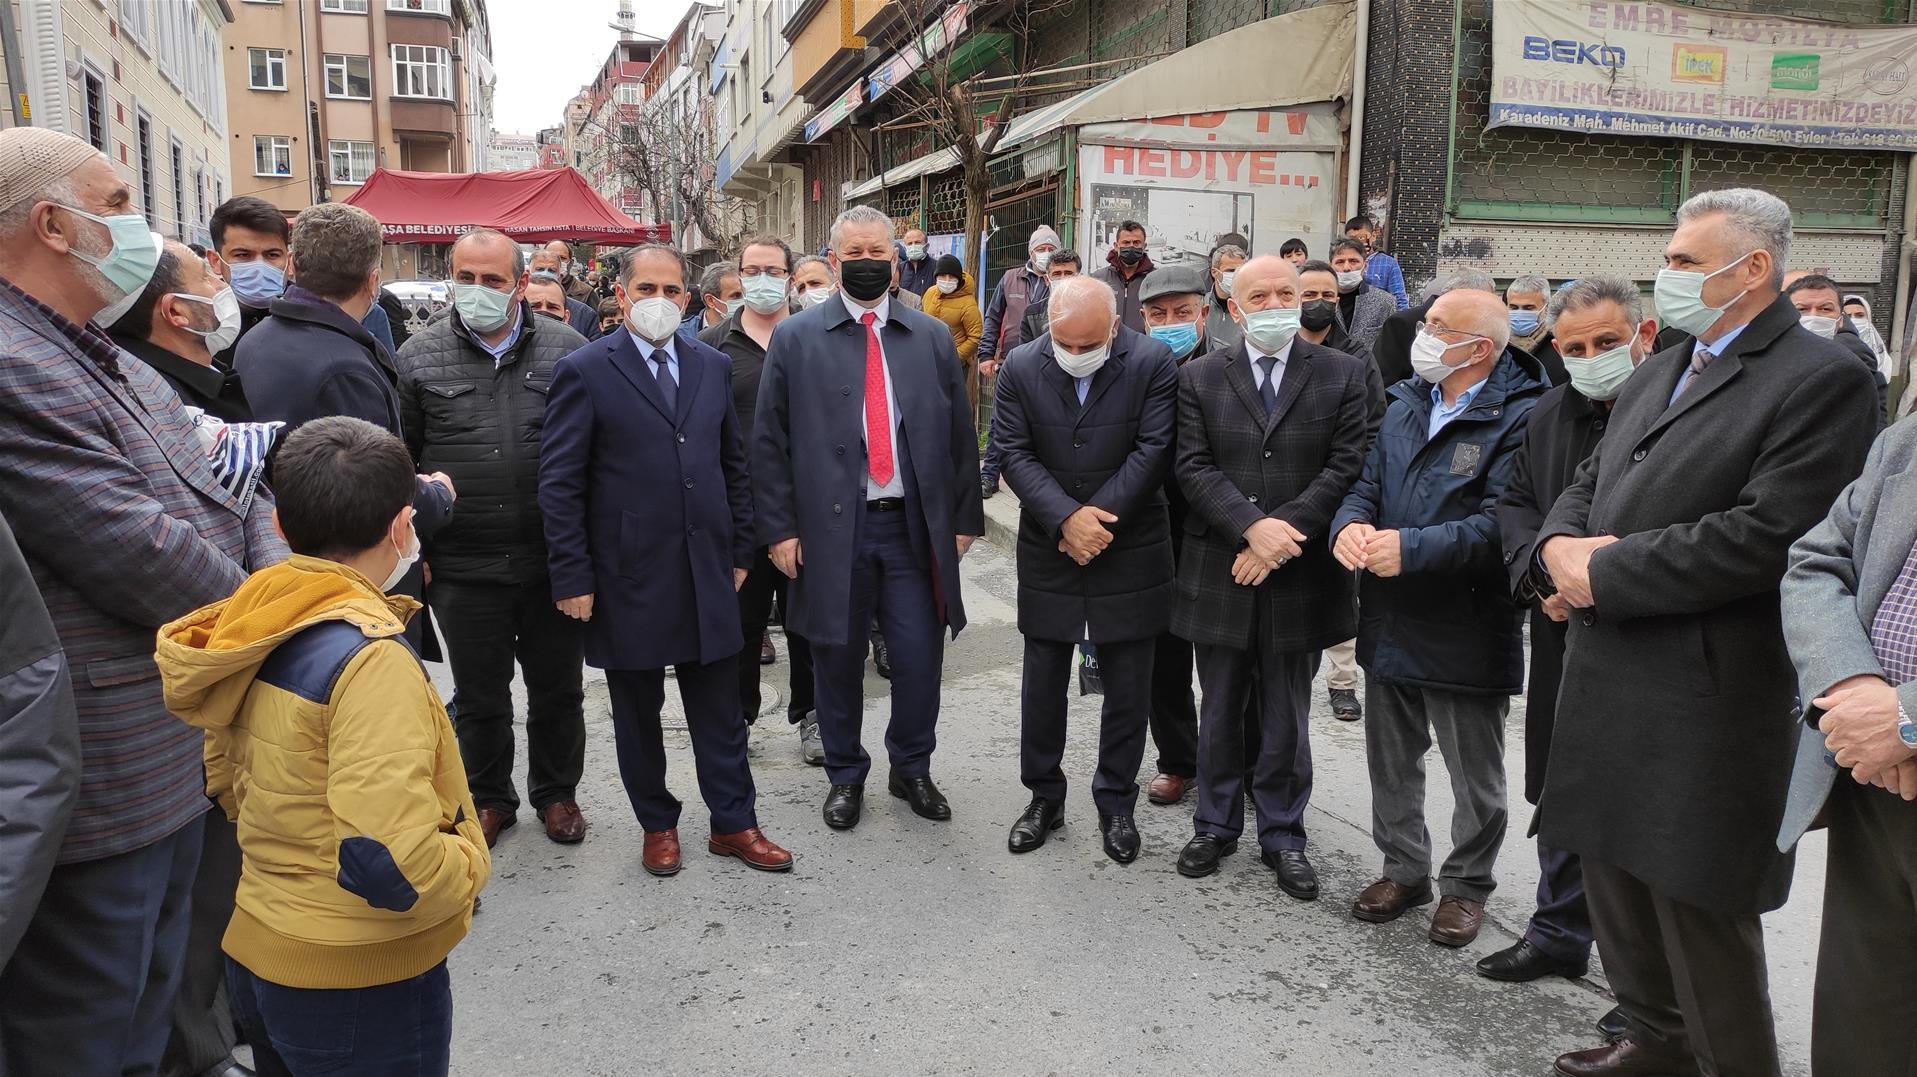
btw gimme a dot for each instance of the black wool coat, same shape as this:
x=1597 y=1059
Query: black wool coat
x=1564 y=428
x=1236 y=465
x=1113 y=452
x=1675 y=732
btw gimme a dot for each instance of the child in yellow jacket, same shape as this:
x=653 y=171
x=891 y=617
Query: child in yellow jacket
x=361 y=851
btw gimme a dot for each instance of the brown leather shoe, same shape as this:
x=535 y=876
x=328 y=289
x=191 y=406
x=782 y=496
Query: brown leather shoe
x=1622 y=1058
x=1166 y=789
x=565 y=823
x=752 y=847
x=1387 y=899
x=662 y=852
x=768 y=654
x=1457 y=921
x=493 y=822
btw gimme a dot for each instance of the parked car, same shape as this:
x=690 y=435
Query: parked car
x=421 y=299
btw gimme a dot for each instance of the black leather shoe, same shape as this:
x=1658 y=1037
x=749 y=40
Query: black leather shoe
x=1296 y=876
x=1034 y=825
x=1611 y=1026
x=925 y=798
x=842 y=806
x=1121 y=837
x=1202 y=854
x=1522 y=962
x=882 y=659
x=987 y=485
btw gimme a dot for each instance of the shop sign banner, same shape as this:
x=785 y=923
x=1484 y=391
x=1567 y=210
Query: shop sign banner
x=949 y=28
x=835 y=111
x=1190 y=179
x=1672 y=71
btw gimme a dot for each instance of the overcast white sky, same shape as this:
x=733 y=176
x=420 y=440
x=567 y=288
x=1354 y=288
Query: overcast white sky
x=544 y=50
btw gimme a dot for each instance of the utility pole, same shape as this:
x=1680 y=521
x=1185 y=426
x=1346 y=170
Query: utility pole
x=16 y=79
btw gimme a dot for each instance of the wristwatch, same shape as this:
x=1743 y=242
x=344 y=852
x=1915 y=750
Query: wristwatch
x=1906 y=729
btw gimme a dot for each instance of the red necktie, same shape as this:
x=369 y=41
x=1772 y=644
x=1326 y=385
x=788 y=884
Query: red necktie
x=878 y=421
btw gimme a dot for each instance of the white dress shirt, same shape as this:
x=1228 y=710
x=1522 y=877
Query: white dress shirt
x=894 y=487
x=1283 y=355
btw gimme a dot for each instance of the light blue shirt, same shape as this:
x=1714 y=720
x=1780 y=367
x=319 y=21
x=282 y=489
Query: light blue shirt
x=1441 y=414
x=498 y=351
x=894 y=487
x=1084 y=386
x=646 y=350
x=1255 y=354
x=1716 y=347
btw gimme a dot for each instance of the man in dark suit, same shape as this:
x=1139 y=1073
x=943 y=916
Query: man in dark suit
x=865 y=481
x=648 y=517
x=1669 y=782
x=1271 y=432
x=1850 y=604
x=1085 y=417
x=1602 y=334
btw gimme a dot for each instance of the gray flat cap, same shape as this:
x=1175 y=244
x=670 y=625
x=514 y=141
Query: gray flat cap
x=1173 y=280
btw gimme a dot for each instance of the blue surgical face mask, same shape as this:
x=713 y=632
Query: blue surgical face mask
x=133 y=257
x=1180 y=338
x=1273 y=328
x=765 y=293
x=257 y=283
x=481 y=308
x=1524 y=322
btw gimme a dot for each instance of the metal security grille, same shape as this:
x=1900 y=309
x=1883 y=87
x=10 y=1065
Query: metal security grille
x=1535 y=175
x=903 y=203
x=1209 y=18
x=945 y=211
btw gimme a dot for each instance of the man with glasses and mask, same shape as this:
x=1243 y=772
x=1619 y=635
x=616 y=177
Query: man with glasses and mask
x=648 y=516
x=1669 y=783
x=1085 y=418
x=765 y=301
x=182 y=320
x=473 y=387
x=1438 y=634
x=865 y=476
x=125 y=528
x=1271 y=433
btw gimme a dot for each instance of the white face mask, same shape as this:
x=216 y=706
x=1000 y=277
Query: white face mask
x=407 y=555
x=1427 y=356
x=1817 y=323
x=1083 y=364
x=815 y=296
x=947 y=286
x=1042 y=260
x=226 y=308
x=1601 y=376
x=1349 y=279
x=654 y=320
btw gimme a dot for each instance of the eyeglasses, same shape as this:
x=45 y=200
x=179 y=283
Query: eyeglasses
x=769 y=271
x=1438 y=329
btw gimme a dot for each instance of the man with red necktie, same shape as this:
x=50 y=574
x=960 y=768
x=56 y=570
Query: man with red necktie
x=865 y=488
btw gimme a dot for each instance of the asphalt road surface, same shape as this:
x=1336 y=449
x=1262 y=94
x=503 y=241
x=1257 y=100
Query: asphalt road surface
x=908 y=946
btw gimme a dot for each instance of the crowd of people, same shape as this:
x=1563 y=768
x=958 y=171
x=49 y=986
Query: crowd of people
x=234 y=803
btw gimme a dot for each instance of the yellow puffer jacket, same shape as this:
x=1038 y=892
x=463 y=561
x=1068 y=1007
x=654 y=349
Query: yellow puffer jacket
x=361 y=850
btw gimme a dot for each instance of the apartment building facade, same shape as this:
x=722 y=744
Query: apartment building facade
x=322 y=92
x=139 y=79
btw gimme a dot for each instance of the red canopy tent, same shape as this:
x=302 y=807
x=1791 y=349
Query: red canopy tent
x=531 y=206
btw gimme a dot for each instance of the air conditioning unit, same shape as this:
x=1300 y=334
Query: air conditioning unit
x=456 y=53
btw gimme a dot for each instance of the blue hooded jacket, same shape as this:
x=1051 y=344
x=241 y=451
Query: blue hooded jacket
x=1447 y=620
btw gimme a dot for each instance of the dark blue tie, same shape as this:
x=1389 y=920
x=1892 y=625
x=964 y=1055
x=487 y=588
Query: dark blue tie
x=668 y=388
x=1268 y=392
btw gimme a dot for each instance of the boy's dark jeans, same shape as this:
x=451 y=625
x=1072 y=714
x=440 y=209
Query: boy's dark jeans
x=402 y=1029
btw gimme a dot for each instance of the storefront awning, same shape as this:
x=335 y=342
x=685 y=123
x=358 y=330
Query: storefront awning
x=532 y=206
x=1234 y=70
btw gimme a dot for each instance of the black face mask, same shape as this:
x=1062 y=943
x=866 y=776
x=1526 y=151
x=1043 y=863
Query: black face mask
x=1317 y=314
x=1131 y=256
x=865 y=279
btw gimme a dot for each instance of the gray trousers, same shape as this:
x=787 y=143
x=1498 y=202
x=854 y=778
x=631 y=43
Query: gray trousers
x=1864 y=1013
x=1400 y=724
x=1692 y=982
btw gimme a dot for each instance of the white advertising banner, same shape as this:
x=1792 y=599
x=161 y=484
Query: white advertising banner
x=1267 y=174
x=1676 y=71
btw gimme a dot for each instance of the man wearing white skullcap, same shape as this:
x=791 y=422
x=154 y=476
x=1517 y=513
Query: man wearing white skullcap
x=125 y=527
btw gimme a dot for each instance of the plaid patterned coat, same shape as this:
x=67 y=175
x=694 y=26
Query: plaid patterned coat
x=125 y=527
x=1235 y=464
